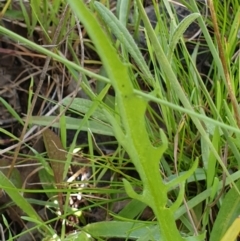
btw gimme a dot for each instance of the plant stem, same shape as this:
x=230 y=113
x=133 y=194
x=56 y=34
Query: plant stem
x=132 y=135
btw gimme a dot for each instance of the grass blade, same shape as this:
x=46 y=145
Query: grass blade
x=124 y=37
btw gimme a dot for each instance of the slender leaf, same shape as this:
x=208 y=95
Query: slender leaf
x=123 y=35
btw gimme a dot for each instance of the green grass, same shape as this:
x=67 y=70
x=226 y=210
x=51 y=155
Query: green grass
x=177 y=127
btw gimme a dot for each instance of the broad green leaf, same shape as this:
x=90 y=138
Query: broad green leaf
x=74 y=123
x=17 y=197
x=15 y=177
x=83 y=106
x=233 y=231
x=14 y=15
x=229 y=211
x=79 y=236
x=132 y=209
x=123 y=229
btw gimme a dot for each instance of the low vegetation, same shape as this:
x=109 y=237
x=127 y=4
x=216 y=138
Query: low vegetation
x=125 y=120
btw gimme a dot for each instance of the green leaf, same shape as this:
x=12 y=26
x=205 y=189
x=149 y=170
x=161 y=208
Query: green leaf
x=182 y=178
x=11 y=111
x=132 y=209
x=14 y=15
x=83 y=106
x=79 y=236
x=47 y=181
x=168 y=71
x=123 y=35
x=123 y=229
x=15 y=177
x=74 y=123
x=229 y=211
x=179 y=31
x=133 y=126
x=43 y=162
x=8 y=133
x=17 y=197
